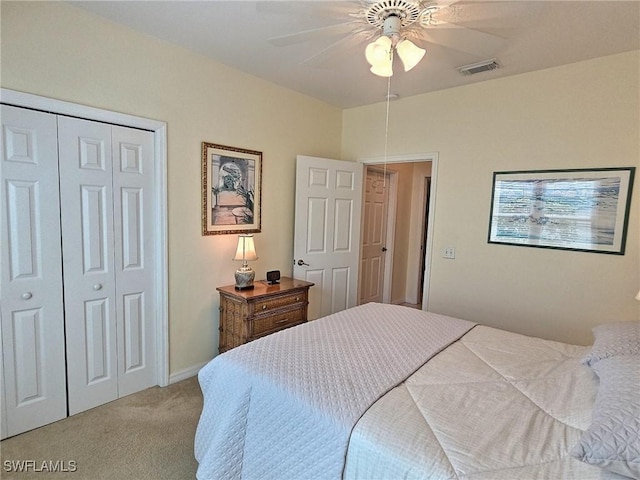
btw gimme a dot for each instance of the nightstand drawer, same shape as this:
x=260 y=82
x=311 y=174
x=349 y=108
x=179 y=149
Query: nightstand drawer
x=281 y=301
x=262 y=326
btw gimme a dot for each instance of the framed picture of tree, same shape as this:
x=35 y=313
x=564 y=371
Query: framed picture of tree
x=231 y=189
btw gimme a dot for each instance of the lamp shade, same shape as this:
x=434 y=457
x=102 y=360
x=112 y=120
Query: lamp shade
x=246 y=248
x=409 y=53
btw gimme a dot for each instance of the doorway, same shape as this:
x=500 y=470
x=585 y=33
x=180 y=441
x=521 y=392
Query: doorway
x=408 y=220
x=425 y=229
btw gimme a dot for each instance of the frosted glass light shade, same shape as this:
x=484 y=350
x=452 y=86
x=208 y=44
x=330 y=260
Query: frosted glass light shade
x=246 y=248
x=379 y=54
x=382 y=70
x=409 y=53
x=379 y=51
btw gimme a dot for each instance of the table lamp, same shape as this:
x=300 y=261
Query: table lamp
x=246 y=251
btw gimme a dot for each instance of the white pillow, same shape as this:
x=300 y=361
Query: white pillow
x=612 y=441
x=611 y=339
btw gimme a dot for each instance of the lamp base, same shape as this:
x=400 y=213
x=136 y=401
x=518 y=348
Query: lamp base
x=244 y=278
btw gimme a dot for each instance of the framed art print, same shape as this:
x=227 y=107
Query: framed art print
x=231 y=189
x=582 y=209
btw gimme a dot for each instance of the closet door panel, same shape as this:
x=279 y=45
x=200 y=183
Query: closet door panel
x=4 y=433
x=133 y=177
x=31 y=307
x=86 y=194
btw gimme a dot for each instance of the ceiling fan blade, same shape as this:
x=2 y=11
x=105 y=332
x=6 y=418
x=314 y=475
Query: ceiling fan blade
x=278 y=7
x=464 y=40
x=326 y=9
x=492 y=15
x=335 y=51
x=445 y=3
x=307 y=35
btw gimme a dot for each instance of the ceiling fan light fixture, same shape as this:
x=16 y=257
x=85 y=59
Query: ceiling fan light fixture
x=379 y=54
x=409 y=53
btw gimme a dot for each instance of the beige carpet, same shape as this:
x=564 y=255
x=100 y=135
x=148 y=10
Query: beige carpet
x=145 y=436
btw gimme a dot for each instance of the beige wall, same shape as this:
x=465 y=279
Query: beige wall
x=576 y=116
x=59 y=51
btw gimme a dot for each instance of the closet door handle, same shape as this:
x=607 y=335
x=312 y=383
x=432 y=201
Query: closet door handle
x=27 y=296
x=97 y=286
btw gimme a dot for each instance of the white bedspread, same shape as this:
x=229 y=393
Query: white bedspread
x=493 y=406
x=283 y=406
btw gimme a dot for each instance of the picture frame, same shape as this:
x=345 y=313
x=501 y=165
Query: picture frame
x=581 y=209
x=231 y=190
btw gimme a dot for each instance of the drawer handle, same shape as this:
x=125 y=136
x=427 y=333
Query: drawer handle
x=284 y=320
x=264 y=307
x=297 y=299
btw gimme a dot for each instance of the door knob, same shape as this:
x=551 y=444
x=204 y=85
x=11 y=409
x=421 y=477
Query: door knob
x=301 y=263
x=27 y=295
x=97 y=286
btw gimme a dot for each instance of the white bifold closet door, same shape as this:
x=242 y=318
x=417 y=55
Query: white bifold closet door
x=78 y=271
x=33 y=345
x=106 y=183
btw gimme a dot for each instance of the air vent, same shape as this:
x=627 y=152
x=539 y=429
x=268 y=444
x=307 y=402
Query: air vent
x=479 y=67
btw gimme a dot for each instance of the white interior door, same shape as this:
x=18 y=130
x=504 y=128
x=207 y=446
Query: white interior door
x=327 y=232
x=133 y=185
x=374 y=236
x=86 y=197
x=31 y=295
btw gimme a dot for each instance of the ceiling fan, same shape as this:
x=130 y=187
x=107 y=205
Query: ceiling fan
x=404 y=27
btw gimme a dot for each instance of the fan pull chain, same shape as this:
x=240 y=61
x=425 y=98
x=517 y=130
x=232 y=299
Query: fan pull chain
x=386 y=128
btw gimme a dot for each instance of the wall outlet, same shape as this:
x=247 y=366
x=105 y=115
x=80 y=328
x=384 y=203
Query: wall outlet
x=449 y=252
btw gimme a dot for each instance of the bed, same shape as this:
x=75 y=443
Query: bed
x=388 y=392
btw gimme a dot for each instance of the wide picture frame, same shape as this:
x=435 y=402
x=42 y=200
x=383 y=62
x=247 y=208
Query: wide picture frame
x=581 y=209
x=231 y=190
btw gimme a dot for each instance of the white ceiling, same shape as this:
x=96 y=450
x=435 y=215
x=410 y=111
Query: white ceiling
x=522 y=35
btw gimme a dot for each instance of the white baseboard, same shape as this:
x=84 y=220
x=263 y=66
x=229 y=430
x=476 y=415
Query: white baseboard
x=186 y=373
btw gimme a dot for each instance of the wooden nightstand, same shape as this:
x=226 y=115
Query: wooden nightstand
x=249 y=314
